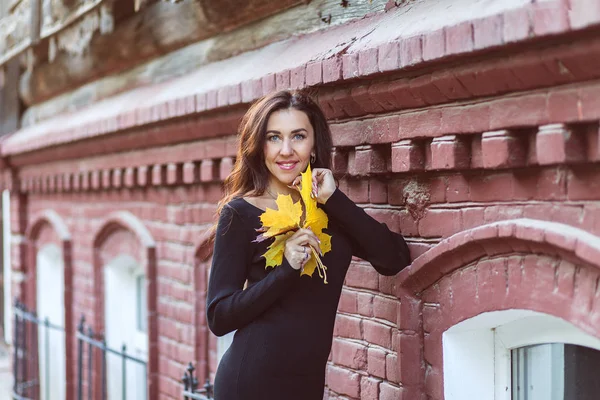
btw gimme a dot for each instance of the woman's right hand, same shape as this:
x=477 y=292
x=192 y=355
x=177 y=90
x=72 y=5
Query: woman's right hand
x=297 y=247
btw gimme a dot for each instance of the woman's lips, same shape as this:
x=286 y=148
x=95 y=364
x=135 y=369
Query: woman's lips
x=287 y=166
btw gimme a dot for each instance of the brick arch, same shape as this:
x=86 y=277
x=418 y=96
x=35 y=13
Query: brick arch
x=48 y=227
x=123 y=232
x=527 y=264
x=505 y=237
x=202 y=342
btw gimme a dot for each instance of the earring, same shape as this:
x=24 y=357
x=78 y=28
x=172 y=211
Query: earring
x=313 y=158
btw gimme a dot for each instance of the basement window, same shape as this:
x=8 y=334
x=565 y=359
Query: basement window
x=519 y=355
x=555 y=371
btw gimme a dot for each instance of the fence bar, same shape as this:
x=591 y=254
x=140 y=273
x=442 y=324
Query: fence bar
x=16 y=354
x=47 y=346
x=103 y=372
x=90 y=354
x=124 y=373
x=80 y=359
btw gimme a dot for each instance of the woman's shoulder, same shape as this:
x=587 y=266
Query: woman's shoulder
x=240 y=207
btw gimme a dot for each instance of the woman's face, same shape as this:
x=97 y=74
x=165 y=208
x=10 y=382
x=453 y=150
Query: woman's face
x=290 y=140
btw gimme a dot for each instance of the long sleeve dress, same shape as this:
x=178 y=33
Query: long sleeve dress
x=285 y=321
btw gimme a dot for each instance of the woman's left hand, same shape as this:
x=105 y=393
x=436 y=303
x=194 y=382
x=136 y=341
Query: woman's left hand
x=323 y=184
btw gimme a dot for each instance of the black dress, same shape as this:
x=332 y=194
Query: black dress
x=285 y=321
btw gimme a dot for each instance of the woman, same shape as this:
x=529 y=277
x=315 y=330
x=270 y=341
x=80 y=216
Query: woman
x=284 y=321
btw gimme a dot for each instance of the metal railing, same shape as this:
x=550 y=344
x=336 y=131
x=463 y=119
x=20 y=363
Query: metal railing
x=28 y=330
x=190 y=386
x=87 y=343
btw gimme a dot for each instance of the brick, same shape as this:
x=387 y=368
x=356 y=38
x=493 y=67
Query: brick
x=518 y=112
x=449 y=152
x=411 y=51
x=488 y=32
x=388 y=56
x=557 y=144
x=343 y=381
x=391 y=367
x=583 y=13
x=350 y=65
x=503 y=149
x=388 y=391
x=377 y=333
x=348 y=327
x=144 y=175
x=563 y=106
x=385 y=308
x=376 y=362
x=268 y=84
x=282 y=80
x=434 y=45
x=209 y=170
x=459 y=38
x=434 y=386
x=358 y=190
x=409 y=312
x=225 y=167
x=425 y=91
x=409 y=359
x=332 y=69
x=191 y=173
x=298 y=77
x=339 y=161
x=117 y=178
x=407 y=155
x=365 y=304
x=362 y=276
x=349 y=354
x=158 y=175
x=549 y=17
x=377 y=192
x=517 y=24
x=384 y=130
x=369 y=388
x=348 y=302
x=314 y=73
x=367 y=62
x=367 y=160
x=448 y=85
x=361 y=95
x=174 y=174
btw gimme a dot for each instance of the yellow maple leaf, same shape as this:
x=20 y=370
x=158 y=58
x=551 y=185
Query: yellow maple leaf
x=274 y=253
x=286 y=217
x=282 y=223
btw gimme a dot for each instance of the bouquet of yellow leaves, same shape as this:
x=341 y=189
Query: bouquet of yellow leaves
x=287 y=219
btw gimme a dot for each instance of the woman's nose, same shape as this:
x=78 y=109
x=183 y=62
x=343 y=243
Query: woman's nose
x=286 y=148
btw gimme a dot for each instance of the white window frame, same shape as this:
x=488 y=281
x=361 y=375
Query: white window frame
x=476 y=352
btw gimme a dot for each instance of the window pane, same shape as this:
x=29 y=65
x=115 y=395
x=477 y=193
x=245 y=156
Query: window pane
x=554 y=371
x=142 y=304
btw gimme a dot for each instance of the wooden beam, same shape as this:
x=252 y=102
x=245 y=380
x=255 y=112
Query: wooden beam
x=145 y=35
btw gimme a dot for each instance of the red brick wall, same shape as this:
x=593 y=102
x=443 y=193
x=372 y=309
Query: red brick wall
x=482 y=152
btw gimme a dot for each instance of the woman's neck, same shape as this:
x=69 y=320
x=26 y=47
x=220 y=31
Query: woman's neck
x=276 y=188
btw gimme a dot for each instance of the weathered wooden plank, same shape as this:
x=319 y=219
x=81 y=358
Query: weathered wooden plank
x=10 y=112
x=294 y=21
x=156 y=30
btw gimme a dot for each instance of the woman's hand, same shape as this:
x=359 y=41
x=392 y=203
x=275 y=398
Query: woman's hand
x=297 y=247
x=323 y=184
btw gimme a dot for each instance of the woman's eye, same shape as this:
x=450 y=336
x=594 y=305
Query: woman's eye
x=273 y=138
x=299 y=136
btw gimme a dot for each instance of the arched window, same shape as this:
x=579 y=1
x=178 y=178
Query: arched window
x=519 y=355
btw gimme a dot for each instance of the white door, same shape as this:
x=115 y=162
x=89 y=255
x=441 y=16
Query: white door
x=51 y=305
x=126 y=315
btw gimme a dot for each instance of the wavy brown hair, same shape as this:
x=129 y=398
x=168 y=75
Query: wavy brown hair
x=250 y=176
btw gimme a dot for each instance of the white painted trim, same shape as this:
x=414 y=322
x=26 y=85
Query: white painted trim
x=476 y=352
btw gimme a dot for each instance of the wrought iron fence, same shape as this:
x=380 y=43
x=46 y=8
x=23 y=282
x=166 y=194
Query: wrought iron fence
x=32 y=343
x=29 y=332
x=190 y=386
x=91 y=348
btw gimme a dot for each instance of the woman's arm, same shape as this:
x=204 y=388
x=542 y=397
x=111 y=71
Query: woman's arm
x=229 y=307
x=372 y=241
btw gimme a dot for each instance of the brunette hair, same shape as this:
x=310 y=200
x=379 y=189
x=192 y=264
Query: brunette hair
x=250 y=175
